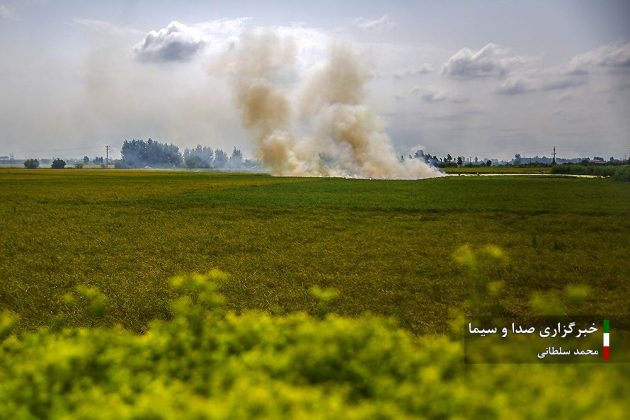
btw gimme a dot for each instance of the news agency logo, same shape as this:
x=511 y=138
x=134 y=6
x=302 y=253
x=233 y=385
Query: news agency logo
x=558 y=339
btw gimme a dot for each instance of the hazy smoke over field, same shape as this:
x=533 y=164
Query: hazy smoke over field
x=322 y=128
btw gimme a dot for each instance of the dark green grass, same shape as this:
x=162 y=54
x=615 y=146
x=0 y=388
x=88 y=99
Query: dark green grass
x=385 y=245
x=498 y=170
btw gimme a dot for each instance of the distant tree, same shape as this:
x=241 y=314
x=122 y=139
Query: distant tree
x=58 y=164
x=236 y=159
x=141 y=153
x=459 y=160
x=119 y=164
x=78 y=166
x=86 y=160
x=517 y=159
x=193 y=161
x=199 y=157
x=31 y=163
x=98 y=159
x=488 y=162
x=220 y=159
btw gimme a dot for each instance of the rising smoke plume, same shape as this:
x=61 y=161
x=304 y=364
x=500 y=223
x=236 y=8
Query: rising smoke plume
x=332 y=133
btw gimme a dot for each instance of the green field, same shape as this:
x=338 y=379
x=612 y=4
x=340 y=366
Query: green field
x=387 y=246
x=498 y=170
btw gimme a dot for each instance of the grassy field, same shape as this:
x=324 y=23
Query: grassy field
x=498 y=170
x=387 y=246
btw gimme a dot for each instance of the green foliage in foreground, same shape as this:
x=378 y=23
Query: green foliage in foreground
x=207 y=362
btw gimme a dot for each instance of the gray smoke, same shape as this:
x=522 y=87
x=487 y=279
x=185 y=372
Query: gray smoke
x=333 y=133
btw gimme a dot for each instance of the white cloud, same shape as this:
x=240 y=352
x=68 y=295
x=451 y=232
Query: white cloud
x=176 y=42
x=5 y=12
x=374 y=24
x=518 y=77
x=107 y=27
x=612 y=56
x=223 y=26
x=516 y=85
x=432 y=95
x=532 y=81
x=489 y=61
x=182 y=42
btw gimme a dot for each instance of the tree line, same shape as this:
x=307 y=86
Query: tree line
x=446 y=161
x=141 y=153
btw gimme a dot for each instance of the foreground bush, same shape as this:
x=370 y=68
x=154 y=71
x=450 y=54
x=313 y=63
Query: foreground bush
x=209 y=363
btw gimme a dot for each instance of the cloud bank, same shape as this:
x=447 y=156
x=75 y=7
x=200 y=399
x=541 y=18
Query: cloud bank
x=613 y=56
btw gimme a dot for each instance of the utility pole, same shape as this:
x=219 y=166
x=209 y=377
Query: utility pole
x=107 y=155
x=553 y=162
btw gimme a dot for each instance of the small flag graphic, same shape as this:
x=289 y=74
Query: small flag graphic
x=606 y=339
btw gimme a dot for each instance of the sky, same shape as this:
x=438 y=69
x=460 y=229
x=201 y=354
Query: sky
x=471 y=78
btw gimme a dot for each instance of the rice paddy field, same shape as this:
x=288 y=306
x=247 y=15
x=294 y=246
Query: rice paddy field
x=342 y=298
x=498 y=170
x=386 y=246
